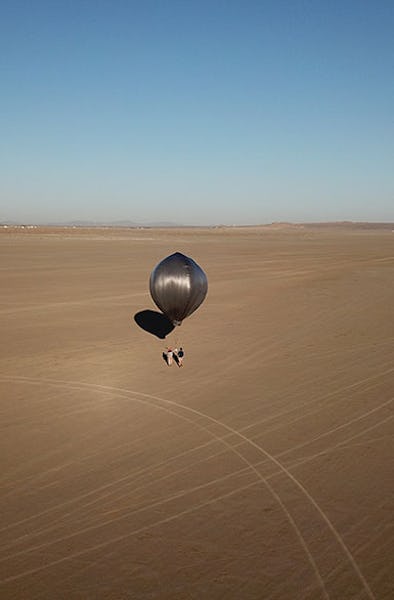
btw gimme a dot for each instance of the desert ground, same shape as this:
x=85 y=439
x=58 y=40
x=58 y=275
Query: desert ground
x=263 y=469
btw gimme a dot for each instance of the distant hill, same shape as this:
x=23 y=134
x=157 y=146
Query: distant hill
x=350 y=225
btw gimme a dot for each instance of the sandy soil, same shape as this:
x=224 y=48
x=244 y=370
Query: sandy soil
x=261 y=470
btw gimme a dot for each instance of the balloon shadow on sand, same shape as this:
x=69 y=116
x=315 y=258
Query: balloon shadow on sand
x=154 y=322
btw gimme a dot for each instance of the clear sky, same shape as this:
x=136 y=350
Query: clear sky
x=197 y=111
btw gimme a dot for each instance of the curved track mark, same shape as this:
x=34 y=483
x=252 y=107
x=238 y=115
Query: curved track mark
x=121 y=392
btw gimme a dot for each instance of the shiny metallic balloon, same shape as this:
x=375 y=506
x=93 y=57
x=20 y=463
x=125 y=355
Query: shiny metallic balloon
x=178 y=286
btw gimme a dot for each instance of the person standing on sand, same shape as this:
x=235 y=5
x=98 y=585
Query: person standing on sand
x=181 y=354
x=170 y=355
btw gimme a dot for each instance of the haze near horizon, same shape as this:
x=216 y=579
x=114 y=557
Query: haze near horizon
x=197 y=113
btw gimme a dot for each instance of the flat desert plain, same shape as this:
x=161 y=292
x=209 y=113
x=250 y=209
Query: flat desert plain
x=263 y=469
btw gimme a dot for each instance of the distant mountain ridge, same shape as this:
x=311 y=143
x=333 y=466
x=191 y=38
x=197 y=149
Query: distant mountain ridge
x=119 y=223
x=88 y=223
x=125 y=223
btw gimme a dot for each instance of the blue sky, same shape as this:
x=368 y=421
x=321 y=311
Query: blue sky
x=198 y=112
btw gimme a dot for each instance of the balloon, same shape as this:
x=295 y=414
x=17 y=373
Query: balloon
x=178 y=286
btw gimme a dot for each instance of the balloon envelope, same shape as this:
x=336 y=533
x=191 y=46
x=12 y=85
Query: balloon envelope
x=178 y=286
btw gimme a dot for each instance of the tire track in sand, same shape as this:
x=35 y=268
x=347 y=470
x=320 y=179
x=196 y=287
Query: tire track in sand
x=152 y=401
x=147 y=399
